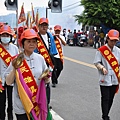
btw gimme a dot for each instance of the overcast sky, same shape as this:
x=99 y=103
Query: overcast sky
x=37 y=3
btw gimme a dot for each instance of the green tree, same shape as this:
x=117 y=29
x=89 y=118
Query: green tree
x=96 y=12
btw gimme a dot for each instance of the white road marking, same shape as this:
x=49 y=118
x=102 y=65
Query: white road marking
x=55 y=115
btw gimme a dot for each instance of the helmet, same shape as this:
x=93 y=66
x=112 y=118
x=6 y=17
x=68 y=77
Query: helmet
x=28 y=34
x=43 y=20
x=113 y=34
x=6 y=29
x=57 y=27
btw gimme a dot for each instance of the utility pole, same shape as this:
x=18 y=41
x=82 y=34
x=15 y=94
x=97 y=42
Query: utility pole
x=49 y=7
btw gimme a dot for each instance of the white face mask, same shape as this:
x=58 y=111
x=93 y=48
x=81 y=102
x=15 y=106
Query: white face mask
x=5 y=40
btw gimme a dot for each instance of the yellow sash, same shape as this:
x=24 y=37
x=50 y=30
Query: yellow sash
x=43 y=51
x=4 y=54
x=59 y=48
x=107 y=54
x=31 y=83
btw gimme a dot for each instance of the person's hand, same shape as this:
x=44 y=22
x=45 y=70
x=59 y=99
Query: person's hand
x=104 y=71
x=1 y=87
x=46 y=76
x=119 y=78
x=18 y=61
x=0 y=81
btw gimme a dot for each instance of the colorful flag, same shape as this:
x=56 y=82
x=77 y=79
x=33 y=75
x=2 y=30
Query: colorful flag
x=33 y=15
x=41 y=99
x=27 y=20
x=37 y=17
x=22 y=15
x=24 y=94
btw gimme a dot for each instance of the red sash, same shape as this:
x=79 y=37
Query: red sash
x=43 y=51
x=107 y=54
x=4 y=54
x=31 y=83
x=59 y=48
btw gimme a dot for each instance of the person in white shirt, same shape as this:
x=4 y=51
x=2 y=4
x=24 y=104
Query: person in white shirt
x=36 y=64
x=58 y=59
x=108 y=71
x=48 y=42
x=7 y=51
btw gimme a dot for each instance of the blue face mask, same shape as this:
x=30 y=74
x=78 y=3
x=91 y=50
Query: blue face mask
x=5 y=40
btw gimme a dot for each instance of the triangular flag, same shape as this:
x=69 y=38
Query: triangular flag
x=22 y=15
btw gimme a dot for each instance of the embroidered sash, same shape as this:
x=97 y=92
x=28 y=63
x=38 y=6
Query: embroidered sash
x=31 y=83
x=59 y=48
x=5 y=56
x=43 y=51
x=107 y=54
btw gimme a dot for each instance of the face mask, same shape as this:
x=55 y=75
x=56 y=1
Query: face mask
x=5 y=40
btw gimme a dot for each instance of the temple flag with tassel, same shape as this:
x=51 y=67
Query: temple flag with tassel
x=22 y=17
x=27 y=20
x=33 y=15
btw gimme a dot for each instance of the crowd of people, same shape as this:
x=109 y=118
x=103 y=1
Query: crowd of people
x=36 y=62
x=29 y=66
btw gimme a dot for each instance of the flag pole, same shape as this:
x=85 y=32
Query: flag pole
x=17 y=26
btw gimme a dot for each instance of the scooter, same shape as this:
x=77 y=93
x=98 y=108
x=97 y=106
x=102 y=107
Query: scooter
x=80 y=43
x=70 y=42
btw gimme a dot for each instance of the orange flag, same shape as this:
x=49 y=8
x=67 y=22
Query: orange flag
x=27 y=104
x=22 y=15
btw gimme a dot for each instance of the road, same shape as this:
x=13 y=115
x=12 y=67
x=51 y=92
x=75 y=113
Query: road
x=77 y=95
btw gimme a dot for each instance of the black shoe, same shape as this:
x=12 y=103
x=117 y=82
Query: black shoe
x=50 y=107
x=106 y=118
x=54 y=85
x=56 y=81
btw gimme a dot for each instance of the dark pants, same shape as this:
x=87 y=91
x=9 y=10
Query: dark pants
x=57 y=70
x=9 y=90
x=102 y=41
x=107 y=96
x=21 y=116
x=96 y=42
x=75 y=40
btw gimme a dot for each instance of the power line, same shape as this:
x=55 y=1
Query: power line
x=71 y=4
x=71 y=8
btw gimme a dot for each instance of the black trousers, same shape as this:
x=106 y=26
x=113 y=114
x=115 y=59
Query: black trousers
x=75 y=40
x=21 y=116
x=8 y=90
x=107 y=96
x=57 y=70
x=96 y=43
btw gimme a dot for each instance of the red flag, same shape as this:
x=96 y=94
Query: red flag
x=22 y=15
x=33 y=15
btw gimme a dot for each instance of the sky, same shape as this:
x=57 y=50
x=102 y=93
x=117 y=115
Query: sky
x=36 y=3
x=67 y=5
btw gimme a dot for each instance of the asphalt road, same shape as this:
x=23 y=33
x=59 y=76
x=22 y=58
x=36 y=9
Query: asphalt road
x=77 y=96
